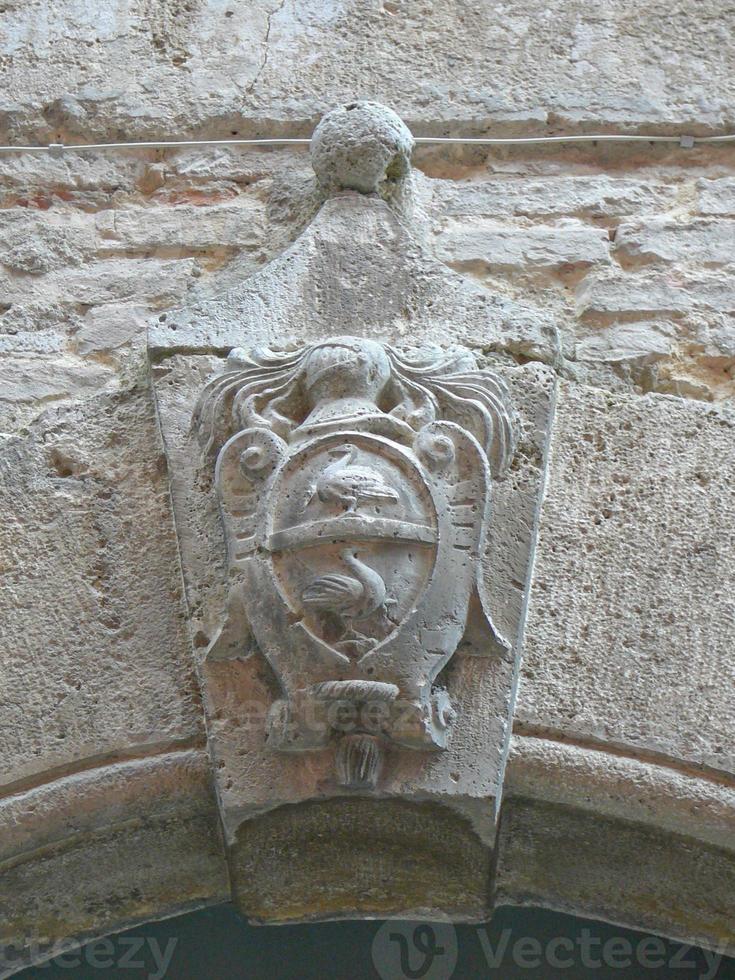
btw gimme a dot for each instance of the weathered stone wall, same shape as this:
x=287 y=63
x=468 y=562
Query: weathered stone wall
x=629 y=251
x=213 y=66
x=624 y=707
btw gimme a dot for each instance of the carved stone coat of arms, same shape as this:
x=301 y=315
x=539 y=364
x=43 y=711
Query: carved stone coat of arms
x=354 y=487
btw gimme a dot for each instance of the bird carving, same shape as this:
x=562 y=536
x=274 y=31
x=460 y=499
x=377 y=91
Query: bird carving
x=351 y=598
x=349 y=485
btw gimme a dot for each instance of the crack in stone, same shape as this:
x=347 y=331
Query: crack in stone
x=264 y=62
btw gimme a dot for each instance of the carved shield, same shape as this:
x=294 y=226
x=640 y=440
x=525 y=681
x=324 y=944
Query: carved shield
x=358 y=554
x=354 y=513
x=353 y=540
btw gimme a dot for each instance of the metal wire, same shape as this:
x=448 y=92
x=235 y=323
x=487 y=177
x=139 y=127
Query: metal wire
x=602 y=138
x=684 y=141
x=59 y=148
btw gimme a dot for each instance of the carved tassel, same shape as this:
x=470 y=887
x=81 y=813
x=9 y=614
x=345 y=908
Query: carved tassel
x=358 y=761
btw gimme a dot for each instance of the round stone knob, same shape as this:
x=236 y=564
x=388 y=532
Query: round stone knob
x=361 y=146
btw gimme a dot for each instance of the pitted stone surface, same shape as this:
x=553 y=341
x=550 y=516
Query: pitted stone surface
x=557 y=194
x=621 y=786
x=251 y=777
x=629 y=637
x=357 y=261
x=348 y=503
x=621 y=252
x=95 y=656
x=361 y=146
x=556 y=856
x=151 y=822
x=170 y=69
x=717 y=196
x=111 y=234
x=517 y=247
x=706 y=243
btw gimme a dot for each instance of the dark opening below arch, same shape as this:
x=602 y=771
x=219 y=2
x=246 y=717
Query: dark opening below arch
x=520 y=944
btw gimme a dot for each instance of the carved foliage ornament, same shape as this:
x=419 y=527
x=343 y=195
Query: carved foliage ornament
x=354 y=488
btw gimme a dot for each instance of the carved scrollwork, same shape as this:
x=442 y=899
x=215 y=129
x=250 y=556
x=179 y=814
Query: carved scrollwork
x=277 y=390
x=245 y=465
x=435 y=449
x=354 y=486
